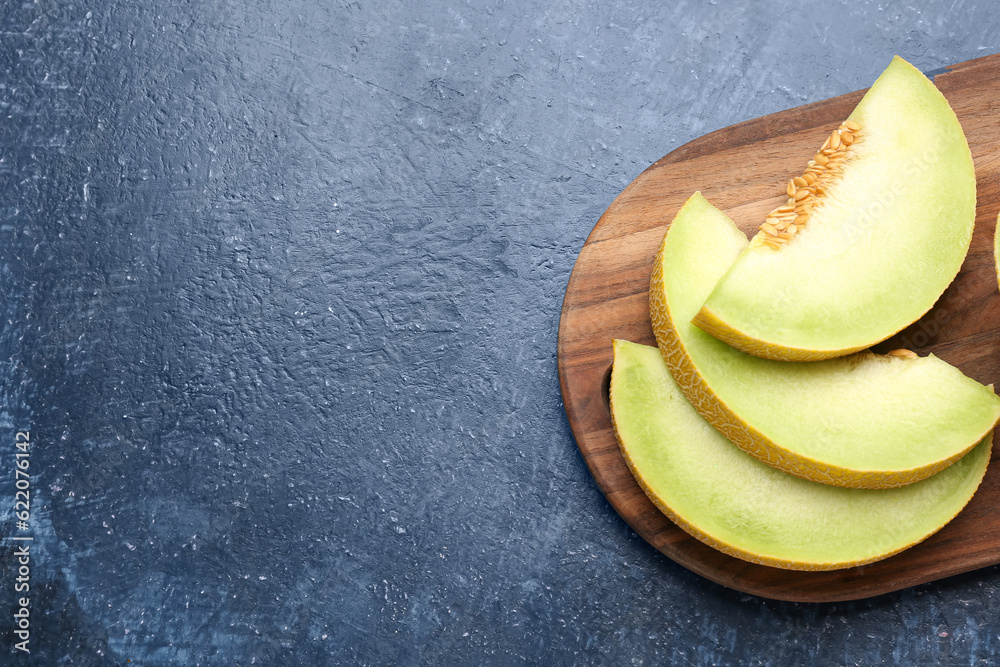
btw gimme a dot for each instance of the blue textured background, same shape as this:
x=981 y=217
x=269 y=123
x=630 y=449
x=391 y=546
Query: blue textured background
x=281 y=284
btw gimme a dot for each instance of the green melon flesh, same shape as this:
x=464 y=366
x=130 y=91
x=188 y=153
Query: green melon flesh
x=747 y=509
x=886 y=240
x=865 y=421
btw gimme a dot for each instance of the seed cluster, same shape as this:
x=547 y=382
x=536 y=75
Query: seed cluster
x=804 y=191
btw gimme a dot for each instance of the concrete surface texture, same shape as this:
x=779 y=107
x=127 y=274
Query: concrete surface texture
x=281 y=288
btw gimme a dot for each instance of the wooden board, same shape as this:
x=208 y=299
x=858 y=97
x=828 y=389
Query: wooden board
x=743 y=169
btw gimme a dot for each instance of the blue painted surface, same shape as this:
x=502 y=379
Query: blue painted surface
x=281 y=284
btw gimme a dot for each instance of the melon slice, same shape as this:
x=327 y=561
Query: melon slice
x=864 y=421
x=747 y=509
x=871 y=234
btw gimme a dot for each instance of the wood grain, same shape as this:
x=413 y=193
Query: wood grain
x=743 y=170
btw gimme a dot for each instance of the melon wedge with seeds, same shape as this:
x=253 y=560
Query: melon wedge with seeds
x=863 y=421
x=871 y=248
x=735 y=503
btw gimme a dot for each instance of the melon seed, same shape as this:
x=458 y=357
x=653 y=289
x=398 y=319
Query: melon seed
x=803 y=191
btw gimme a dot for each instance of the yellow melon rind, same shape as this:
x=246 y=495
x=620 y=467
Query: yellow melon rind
x=709 y=322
